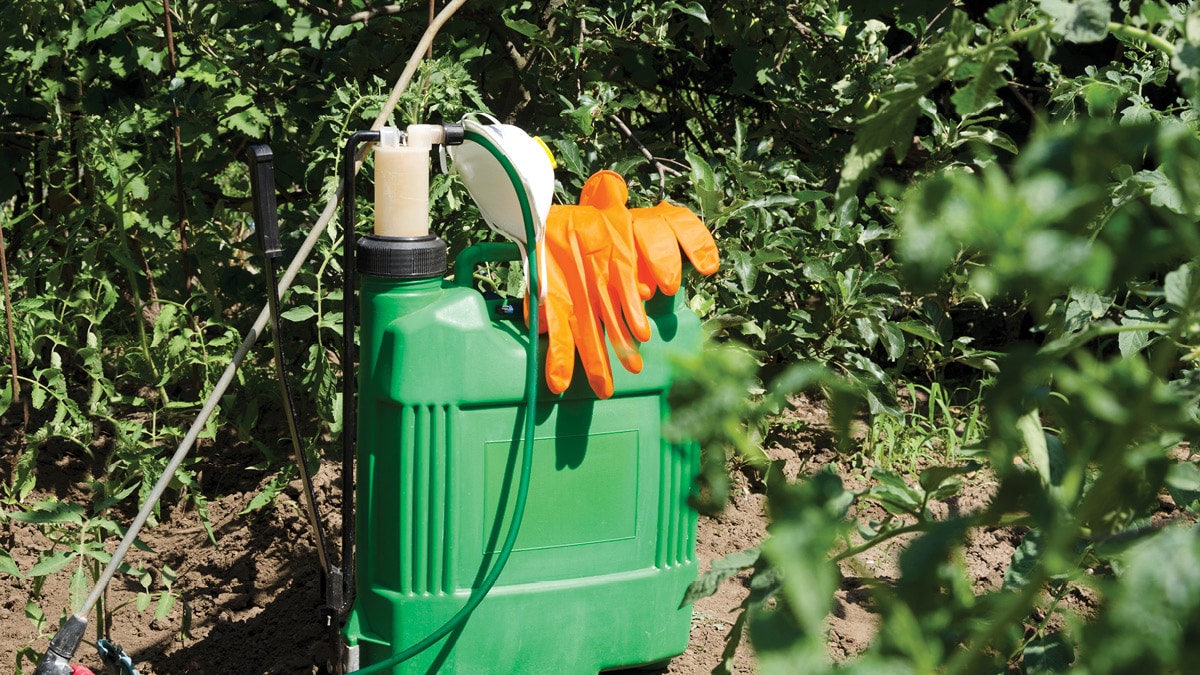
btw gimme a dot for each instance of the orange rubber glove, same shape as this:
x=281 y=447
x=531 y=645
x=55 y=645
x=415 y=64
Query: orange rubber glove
x=602 y=261
x=592 y=287
x=660 y=232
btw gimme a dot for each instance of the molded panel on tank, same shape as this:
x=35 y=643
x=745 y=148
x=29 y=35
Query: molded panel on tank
x=587 y=489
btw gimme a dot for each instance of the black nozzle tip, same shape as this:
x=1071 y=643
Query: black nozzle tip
x=57 y=659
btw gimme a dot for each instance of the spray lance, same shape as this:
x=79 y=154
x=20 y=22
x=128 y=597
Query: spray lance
x=56 y=661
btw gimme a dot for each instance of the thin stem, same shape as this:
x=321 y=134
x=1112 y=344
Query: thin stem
x=12 y=339
x=920 y=526
x=658 y=166
x=1122 y=30
x=181 y=219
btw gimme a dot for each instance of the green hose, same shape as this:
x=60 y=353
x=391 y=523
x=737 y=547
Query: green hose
x=531 y=387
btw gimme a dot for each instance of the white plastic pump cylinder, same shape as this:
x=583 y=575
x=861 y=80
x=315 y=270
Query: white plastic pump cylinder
x=402 y=180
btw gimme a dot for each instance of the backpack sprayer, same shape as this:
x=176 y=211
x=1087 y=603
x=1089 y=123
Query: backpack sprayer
x=501 y=526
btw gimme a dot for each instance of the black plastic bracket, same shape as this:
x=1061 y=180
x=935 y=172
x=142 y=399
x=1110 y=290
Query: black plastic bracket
x=454 y=133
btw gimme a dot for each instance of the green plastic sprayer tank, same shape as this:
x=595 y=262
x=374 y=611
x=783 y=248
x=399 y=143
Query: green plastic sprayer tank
x=606 y=549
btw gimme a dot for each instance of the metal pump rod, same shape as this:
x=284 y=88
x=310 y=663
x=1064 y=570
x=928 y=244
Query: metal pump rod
x=349 y=413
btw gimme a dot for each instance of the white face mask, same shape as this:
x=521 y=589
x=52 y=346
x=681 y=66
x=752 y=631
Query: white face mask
x=490 y=186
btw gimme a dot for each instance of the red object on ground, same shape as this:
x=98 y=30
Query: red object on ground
x=81 y=670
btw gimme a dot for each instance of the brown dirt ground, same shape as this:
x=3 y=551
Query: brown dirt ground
x=249 y=600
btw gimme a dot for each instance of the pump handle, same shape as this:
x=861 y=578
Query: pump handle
x=262 y=193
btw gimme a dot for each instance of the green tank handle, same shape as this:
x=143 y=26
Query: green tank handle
x=473 y=256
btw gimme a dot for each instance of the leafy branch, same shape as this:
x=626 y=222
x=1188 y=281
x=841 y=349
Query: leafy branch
x=362 y=16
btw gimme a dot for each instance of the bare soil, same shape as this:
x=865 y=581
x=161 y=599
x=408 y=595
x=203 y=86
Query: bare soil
x=247 y=603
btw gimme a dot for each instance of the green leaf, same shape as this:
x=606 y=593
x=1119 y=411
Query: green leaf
x=1024 y=560
x=921 y=563
x=808 y=523
x=8 y=565
x=260 y=500
x=50 y=511
x=708 y=190
x=691 y=9
x=1030 y=426
x=166 y=600
x=744 y=268
x=298 y=314
x=1154 y=12
x=708 y=582
x=919 y=329
x=1149 y=614
x=1164 y=192
x=112 y=500
x=1186 y=64
x=1183 y=483
x=1079 y=21
x=522 y=26
x=940 y=482
x=889 y=128
x=893 y=340
x=569 y=156
x=1132 y=342
x=893 y=493
x=78 y=588
x=34 y=613
x=1178 y=286
x=981 y=89
x=250 y=122
x=1051 y=653
x=1003 y=14
x=51 y=564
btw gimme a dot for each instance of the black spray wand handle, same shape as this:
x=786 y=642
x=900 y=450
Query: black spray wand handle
x=262 y=191
x=266 y=227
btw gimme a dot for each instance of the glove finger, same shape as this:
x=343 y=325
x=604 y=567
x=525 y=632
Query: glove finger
x=585 y=327
x=623 y=272
x=647 y=284
x=617 y=331
x=603 y=306
x=590 y=344
x=624 y=342
x=594 y=234
x=604 y=190
x=694 y=238
x=658 y=250
x=560 y=351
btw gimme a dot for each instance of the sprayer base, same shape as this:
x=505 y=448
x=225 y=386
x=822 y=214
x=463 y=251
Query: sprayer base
x=606 y=547
x=572 y=627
